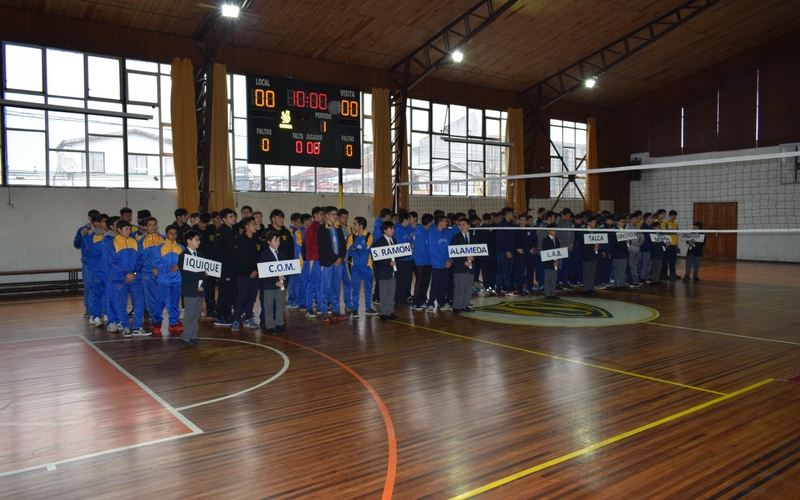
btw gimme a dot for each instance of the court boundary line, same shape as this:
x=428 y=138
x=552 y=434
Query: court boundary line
x=605 y=442
x=560 y=358
x=726 y=334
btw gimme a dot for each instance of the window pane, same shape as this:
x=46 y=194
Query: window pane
x=239 y=96
x=420 y=176
x=352 y=180
x=493 y=160
x=492 y=113
x=144 y=171
x=66 y=130
x=492 y=129
x=167 y=140
x=569 y=137
x=143 y=135
x=420 y=151
x=150 y=67
x=458 y=120
x=440 y=122
x=368 y=168
x=73 y=103
x=247 y=176
x=168 y=172
x=475 y=170
x=302 y=179
x=367 y=104
x=113 y=173
x=418 y=103
x=419 y=120
x=441 y=149
x=166 y=103
x=23 y=68
x=458 y=188
x=32 y=119
x=65 y=73
x=67 y=169
x=328 y=180
x=105 y=125
x=368 y=130
x=103 y=77
x=142 y=88
x=476 y=122
x=441 y=171
x=458 y=156
x=240 y=138
x=27 y=163
x=166 y=69
x=475 y=152
x=276 y=178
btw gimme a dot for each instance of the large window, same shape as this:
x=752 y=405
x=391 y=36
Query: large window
x=567 y=154
x=432 y=157
x=292 y=178
x=61 y=147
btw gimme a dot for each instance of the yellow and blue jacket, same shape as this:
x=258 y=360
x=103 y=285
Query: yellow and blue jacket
x=96 y=249
x=149 y=244
x=360 y=256
x=124 y=257
x=168 y=253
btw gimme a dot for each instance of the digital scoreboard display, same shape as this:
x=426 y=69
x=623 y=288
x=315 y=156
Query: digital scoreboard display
x=292 y=122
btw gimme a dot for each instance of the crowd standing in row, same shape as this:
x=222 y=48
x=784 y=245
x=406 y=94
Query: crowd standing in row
x=123 y=259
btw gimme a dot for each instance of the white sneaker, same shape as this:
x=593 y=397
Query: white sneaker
x=91 y=321
x=446 y=307
x=97 y=322
x=127 y=333
x=113 y=328
x=430 y=309
x=181 y=317
x=140 y=332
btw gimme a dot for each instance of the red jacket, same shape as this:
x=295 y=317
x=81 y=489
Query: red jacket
x=312 y=250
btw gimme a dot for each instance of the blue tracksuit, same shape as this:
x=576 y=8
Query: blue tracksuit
x=124 y=258
x=169 y=281
x=97 y=254
x=361 y=267
x=148 y=244
x=438 y=241
x=86 y=273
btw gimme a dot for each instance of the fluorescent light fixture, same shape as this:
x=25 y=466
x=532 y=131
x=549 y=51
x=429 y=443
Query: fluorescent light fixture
x=230 y=10
x=458 y=56
x=590 y=82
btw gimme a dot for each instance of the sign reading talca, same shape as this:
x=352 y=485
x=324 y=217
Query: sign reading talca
x=199 y=265
x=555 y=254
x=595 y=238
x=279 y=268
x=478 y=250
x=392 y=251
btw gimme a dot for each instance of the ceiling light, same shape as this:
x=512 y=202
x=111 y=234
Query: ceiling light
x=458 y=56
x=230 y=10
x=590 y=82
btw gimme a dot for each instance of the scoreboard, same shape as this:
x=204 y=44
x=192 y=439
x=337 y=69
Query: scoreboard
x=292 y=122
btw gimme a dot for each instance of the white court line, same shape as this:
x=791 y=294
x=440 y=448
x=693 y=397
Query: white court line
x=726 y=334
x=54 y=299
x=186 y=421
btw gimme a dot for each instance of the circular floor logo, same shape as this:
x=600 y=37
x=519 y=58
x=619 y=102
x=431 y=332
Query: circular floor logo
x=572 y=311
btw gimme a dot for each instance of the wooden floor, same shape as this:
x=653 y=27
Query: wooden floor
x=691 y=404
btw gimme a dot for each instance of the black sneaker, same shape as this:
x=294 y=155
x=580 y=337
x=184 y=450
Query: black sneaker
x=384 y=317
x=281 y=328
x=393 y=316
x=183 y=344
x=272 y=331
x=196 y=341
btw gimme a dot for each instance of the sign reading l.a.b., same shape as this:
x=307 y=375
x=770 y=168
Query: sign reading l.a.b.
x=199 y=265
x=600 y=239
x=477 y=250
x=391 y=251
x=278 y=268
x=555 y=254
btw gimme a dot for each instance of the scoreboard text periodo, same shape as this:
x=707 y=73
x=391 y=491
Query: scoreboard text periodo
x=292 y=122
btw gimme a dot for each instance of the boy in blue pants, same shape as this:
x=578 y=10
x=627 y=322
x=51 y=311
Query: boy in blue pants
x=169 y=279
x=125 y=261
x=360 y=260
x=148 y=245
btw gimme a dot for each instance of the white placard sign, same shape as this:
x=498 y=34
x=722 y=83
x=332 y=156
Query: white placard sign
x=660 y=238
x=555 y=254
x=588 y=239
x=278 y=268
x=391 y=251
x=478 y=250
x=698 y=237
x=199 y=265
x=626 y=235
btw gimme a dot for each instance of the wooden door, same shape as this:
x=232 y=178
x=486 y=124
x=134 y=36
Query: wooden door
x=718 y=216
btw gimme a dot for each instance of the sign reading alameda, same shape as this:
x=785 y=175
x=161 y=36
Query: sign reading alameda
x=199 y=265
x=555 y=254
x=278 y=268
x=391 y=252
x=478 y=250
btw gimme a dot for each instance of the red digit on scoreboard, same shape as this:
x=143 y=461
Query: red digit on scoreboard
x=323 y=102
x=291 y=98
x=300 y=98
x=313 y=100
x=298 y=147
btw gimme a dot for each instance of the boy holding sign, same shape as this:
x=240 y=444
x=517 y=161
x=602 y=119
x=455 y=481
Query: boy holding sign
x=657 y=250
x=549 y=243
x=385 y=270
x=462 y=270
x=273 y=288
x=695 y=254
x=192 y=291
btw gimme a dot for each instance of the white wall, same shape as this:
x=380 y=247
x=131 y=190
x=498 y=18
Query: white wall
x=37 y=232
x=763 y=200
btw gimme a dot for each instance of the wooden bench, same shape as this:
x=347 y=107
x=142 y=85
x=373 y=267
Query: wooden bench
x=73 y=284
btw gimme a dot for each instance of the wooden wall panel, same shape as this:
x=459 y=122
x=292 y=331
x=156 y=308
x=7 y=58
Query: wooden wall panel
x=737 y=109
x=780 y=98
x=665 y=131
x=700 y=121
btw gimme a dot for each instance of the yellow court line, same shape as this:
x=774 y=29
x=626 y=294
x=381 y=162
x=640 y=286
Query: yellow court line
x=623 y=372
x=606 y=442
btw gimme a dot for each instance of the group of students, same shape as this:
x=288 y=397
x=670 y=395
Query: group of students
x=124 y=259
